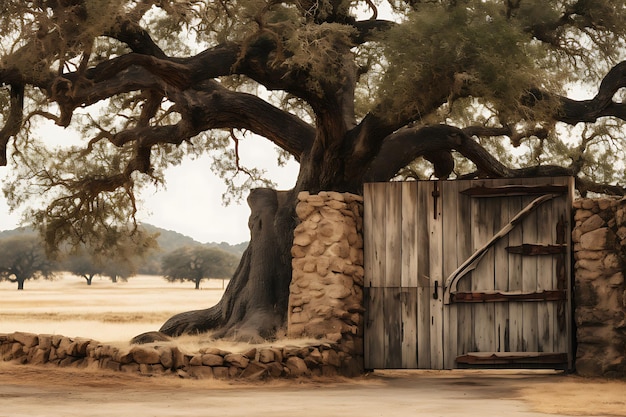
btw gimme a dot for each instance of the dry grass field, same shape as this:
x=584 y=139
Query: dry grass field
x=115 y=312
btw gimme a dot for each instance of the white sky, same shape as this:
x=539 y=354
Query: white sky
x=192 y=202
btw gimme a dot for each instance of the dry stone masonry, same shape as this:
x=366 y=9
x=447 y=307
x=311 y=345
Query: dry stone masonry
x=321 y=359
x=599 y=239
x=326 y=293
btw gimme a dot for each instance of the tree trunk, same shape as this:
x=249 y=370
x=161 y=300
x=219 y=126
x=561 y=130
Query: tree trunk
x=197 y=281
x=254 y=305
x=20 y=284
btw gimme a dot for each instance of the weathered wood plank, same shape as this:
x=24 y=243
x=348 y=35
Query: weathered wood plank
x=464 y=312
x=423 y=275
x=546 y=277
x=450 y=231
x=393 y=234
x=410 y=249
x=515 y=323
x=408 y=305
x=374 y=348
x=392 y=317
x=529 y=284
x=374 y=233
x=436 y=279
x=501 y=274
x=482 y=277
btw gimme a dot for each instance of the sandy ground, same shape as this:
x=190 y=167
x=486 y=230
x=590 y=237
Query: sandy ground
x=115 y=312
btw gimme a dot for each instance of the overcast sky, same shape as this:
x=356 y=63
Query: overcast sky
x=192 y=203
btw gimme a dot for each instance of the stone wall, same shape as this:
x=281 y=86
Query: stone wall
x=318 y=359
x=599 y=238
x=326 y=293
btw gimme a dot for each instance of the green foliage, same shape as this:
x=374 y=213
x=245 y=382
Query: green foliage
x=459 y=62
x=195 y=263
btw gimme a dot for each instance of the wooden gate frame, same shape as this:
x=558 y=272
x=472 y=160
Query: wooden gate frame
x=450 y=294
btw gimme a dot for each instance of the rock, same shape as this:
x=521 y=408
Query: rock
x=201 y=372
x=45 y=341
x=250 y=354
x=238 y=360
x=220 y=372
x=267 y=356
x=209 y=359
x=592 y=223
x=598 y=239
x=196 y=360
x=40 y=356
x=297 y=367
x=28 y=340
x=304 y=209
x=330 y=357
x=145 y=355
x=166 y=357
x=131 y=368
x=275 y=369
x=254 y=370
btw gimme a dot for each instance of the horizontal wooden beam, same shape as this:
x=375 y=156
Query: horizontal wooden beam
x=499 y=297
x=508 y=358
x=532 y=249
x=514 y=190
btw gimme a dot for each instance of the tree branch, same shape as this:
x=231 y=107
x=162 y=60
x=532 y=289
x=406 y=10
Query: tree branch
x=14 y=120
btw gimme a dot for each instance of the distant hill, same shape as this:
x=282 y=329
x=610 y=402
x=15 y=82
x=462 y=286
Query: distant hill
x=168 y=240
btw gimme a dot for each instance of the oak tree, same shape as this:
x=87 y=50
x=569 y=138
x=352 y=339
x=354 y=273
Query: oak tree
x=442 y=88
x=23 y=258
x=196 y=263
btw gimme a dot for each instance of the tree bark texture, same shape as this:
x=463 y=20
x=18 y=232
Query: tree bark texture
x=254 y=304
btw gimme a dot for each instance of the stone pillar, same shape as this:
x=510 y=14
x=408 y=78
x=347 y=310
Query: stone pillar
x=599 y=239
x=326 y=293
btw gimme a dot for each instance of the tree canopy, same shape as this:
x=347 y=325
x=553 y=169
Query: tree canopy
x=195 y=263
x=23 y=258
x=499 y=88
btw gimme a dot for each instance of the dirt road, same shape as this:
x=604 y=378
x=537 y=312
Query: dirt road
x=48 y=391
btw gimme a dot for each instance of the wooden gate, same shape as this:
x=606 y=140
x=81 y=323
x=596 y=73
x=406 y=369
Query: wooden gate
x=468 y=273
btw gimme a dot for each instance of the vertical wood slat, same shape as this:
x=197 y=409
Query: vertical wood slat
x=393 y=235
x=392 y=327
x=501 y=276
x=374 y=263
x=410 y=249
x=546 y=311
x=374 y=233
x=516 y=322
x=451 y=231
x=465 y=312
x=408 y=303
x=374 y=348
x=568 y=336
x=423 y=274
x=482 y=276
x=409 y=274
x=529 y=283
x=436 y=278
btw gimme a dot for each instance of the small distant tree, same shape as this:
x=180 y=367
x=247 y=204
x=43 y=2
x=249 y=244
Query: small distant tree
x=23 y=258
x=82 y=265
x=115 y=255
x=196 y=263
